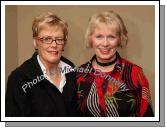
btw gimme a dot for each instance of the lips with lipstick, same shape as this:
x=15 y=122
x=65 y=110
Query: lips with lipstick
x=105 y=50
x=53 y=52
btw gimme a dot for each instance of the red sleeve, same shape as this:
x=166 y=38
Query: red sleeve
x=145 y=97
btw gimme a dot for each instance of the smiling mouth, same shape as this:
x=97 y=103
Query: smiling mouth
x=104 y=51
x=53 y=52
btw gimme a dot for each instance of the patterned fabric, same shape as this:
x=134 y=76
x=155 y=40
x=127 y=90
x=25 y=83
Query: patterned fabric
x=121 y=92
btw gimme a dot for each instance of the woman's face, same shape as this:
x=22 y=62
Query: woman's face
x=105 y=41
x=50 y=53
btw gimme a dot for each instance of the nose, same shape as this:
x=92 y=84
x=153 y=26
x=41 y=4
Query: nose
x=54 y=44
x=105 y=42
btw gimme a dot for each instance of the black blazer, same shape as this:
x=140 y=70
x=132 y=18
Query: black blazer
x=40 y=97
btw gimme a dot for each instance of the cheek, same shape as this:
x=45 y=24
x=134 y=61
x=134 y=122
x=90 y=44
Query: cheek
x=41 y=48
x=95 y=47
x=94 y=43
x=115 y=43
x=60 y=48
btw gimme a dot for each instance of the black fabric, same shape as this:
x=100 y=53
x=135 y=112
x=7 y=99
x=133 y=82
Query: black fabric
x=106 y=64
x=67 y=61
x=40 y=98
x=149 y=112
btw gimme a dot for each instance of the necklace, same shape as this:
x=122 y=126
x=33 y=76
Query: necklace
x=106 y=64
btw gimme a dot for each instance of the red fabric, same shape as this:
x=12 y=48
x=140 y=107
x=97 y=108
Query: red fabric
x=99 y=83
x=133 y=95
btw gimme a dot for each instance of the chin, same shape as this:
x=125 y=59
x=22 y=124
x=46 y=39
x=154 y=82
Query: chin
x=105 y=57
x=53 y=61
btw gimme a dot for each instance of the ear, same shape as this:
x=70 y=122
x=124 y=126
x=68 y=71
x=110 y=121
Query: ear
x=34 y=43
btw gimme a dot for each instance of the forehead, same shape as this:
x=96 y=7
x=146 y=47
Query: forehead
x=106 y=28
x=51 y=30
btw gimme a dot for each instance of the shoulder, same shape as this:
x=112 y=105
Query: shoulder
x=137 y=74
x=131 y=65
x=83 y=69
x=17 y=79
x=67 y=61
x=66 y=65
x=26 y=64
x=85 y=65
x=23 y=69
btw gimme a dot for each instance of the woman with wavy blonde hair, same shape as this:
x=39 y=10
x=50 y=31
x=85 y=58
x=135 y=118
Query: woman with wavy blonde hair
x=111 y=86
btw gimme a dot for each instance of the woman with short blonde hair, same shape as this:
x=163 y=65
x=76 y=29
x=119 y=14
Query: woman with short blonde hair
x=41 y=86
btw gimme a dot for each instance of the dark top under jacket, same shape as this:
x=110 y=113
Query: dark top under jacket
x=40 y=97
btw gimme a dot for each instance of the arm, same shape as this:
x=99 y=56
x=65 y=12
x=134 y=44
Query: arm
x=145 y=107
x=16 y=100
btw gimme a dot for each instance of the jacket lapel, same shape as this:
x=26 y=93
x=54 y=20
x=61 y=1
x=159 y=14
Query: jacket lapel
x=33 y=70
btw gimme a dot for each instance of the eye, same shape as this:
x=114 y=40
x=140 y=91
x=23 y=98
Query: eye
x=47 y=39
x=110 y=37
x=60 y=39
x=99 y=37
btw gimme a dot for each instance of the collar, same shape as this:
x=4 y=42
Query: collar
x=61 y=66
x=64 y=67
x=41 y=65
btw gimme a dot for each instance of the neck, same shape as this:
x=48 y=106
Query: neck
x=105 y=63
x=51 y=66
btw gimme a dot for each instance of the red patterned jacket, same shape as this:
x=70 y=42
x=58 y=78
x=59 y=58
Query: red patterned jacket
x=121 y=92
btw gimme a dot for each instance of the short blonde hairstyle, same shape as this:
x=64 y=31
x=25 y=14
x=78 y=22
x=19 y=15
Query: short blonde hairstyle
x=109 y=18
x=48 y=19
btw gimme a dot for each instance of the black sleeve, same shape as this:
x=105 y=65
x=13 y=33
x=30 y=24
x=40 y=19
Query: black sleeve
x=149 y=112
x=16 y=100
x=69 y=93
x=74 y=101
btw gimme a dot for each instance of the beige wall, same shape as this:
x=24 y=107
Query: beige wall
x=11 y=40
x=138 y=19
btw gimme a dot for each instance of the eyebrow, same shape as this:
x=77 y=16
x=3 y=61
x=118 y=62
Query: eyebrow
x=51 y=36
